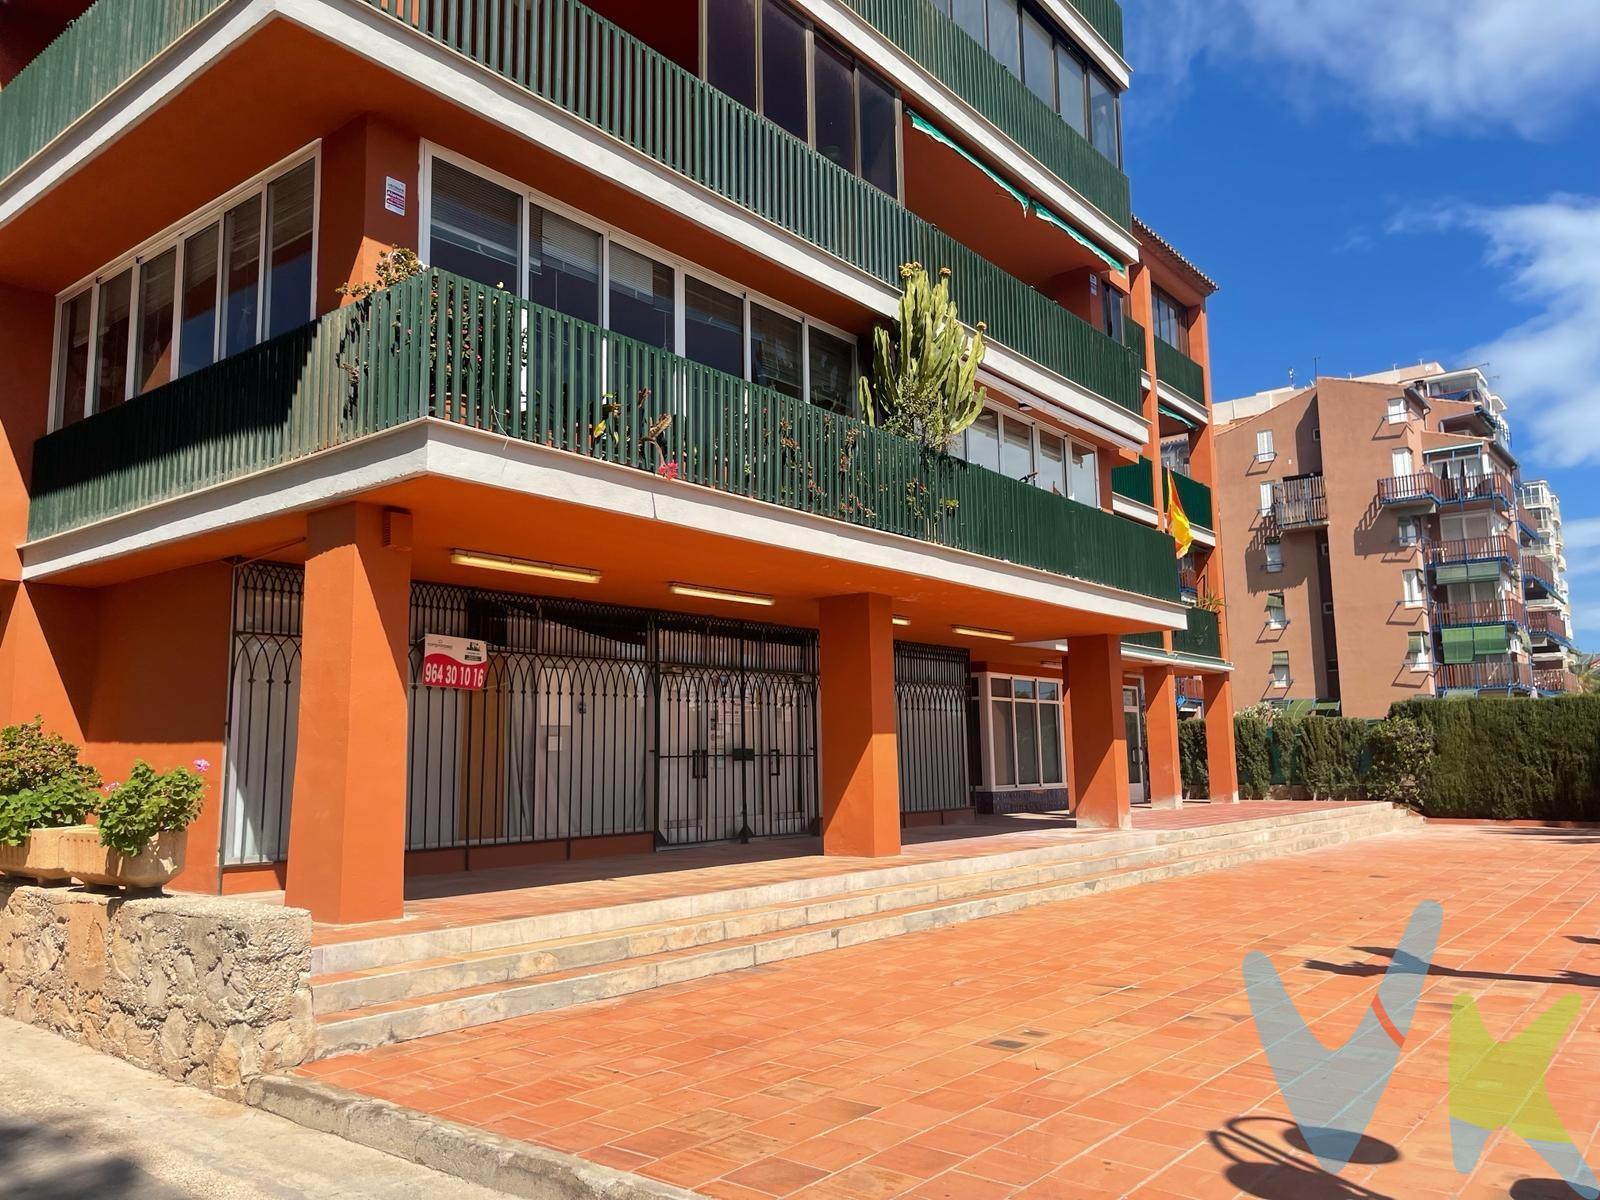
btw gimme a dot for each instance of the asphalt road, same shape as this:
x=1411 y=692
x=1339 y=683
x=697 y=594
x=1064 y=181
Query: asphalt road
x=76 y=1124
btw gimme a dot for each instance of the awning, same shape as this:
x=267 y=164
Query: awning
x=1044 y=214
x=1028 y=206
x=1186 y=422
x=942 y=138
x=1457 y=645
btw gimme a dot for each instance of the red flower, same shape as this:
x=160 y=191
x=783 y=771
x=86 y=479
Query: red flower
x=668 y=469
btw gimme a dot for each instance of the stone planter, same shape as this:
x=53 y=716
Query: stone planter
x=87 y=861
x=38 y=857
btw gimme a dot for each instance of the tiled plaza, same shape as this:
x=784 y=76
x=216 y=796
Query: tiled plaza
x=1098 y=1047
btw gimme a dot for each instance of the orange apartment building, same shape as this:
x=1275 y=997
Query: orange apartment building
x=1383 y=545
x=574 y=544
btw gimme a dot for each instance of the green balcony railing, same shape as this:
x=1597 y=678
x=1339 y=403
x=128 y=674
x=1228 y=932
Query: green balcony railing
x=1152 y=640
x=1106 y=18
x=1133 y=337
x=1135 y=482
x=953 y=57
x=440 y=346
x=96 y=54
x=567 y=54
x=1180 y=372
x=1201 y=638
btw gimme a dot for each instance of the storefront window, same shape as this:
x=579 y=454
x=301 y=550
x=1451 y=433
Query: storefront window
x=1025 y=732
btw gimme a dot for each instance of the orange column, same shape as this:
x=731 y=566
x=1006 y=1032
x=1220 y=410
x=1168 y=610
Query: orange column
x=1161 y=737
x=860 y=749
x=347 y=826
x=1220 y=758
x=1093 y=667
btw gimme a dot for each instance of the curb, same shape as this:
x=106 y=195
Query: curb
x=488 y=1159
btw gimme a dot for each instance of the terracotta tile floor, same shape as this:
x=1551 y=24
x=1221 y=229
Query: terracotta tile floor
x=1098 y=1047
x=441 y=901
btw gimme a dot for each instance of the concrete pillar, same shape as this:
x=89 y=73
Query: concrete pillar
x=1161 y=737
x=1093 y=668
x=348 y=823
x=860 y=748
x=1220 y=758
x=356 y=226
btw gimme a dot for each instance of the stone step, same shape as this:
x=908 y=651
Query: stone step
x=342 y=991
x=363 y=954
x=415 y=1016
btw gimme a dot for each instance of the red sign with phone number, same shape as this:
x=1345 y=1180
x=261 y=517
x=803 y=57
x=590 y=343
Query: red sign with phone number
x=453 y=662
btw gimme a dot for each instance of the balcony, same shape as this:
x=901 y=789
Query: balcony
x=1180 y=372
x=1538 y=571
x=1556 y=681
x=1300 y=503
x=1550 y=625
x=441 y=347
x=1503 y=547
x=1202 y=638
x=1504 y=611
x=569 y=56
x=1136 y=482
x=1189 y=584
x=946 y=51
x=1422 y=489
x=1491 y=675
x=1493 y=486
x=1106 y=18
x=1191 y=692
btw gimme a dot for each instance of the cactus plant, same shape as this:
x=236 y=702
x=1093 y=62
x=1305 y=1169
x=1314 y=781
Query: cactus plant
x=923 y=383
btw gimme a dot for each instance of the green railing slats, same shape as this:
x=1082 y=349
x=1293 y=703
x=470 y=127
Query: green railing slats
x=1133 y=337
x=441 y=346
x=1201 y=638
x=1152 y=640
x=1180 y=372
x=1135 y=482
x=1106 y=18
x=94 y=56
x=953 y=57
x=566 y=53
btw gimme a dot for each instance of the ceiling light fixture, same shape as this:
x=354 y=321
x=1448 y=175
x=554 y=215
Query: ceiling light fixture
x=711 y=593
x=523 y=566
x=993 y=635
x=902 y=621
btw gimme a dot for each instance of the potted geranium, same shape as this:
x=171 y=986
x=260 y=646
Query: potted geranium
x=141 y=834
x=44 y=789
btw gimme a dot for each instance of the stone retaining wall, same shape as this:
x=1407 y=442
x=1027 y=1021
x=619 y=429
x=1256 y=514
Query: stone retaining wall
x=209 y=991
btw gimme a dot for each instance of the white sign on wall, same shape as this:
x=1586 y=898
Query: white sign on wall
x=394 y=195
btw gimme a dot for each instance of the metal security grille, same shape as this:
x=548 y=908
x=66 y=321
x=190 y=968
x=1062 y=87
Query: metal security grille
x=931 y=699
x=263 y=709
x=601 y=720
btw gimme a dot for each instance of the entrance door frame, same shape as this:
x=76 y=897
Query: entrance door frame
x=1138 y=740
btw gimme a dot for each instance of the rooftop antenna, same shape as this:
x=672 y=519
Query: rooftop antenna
x=1316 y=366
x=1291 y=377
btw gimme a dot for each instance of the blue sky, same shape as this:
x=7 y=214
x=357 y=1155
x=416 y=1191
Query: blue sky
x=1374 y=184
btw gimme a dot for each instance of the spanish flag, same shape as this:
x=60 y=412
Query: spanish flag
x=1177 y=519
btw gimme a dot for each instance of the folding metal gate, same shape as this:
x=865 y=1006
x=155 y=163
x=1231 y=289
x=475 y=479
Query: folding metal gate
x=738 y=727
x=602 y=720
x=263 y=711
x=932 y=688
x=595 y=720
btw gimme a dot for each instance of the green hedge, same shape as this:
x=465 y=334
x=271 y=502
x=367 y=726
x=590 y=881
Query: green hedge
x=1507 y=759
x=1192 y=759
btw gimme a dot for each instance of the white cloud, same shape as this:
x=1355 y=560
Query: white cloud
x=1456 y=65
x=1548 y=368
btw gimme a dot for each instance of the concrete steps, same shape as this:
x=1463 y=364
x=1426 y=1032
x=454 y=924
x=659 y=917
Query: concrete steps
x=371 y=993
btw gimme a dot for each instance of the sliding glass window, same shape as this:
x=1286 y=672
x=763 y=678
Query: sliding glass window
x=766 y=55
x=563 y=265
x=713 y=326
x=191 y=298
x=474 y=226
x=641 y=298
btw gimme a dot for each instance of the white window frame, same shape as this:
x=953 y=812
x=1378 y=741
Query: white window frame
x=1266 y=498
x=1398 y=412
x=1277 y=614
x=1265 y=450
x=609 y=236
x=1422 y=659
x=1413 y=588
x=986 y=729
x=174 y=237
x=1274 y=557
x=958 y=449
x=1287 y=678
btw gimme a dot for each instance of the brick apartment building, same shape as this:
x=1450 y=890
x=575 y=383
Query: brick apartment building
x=1383 y=545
